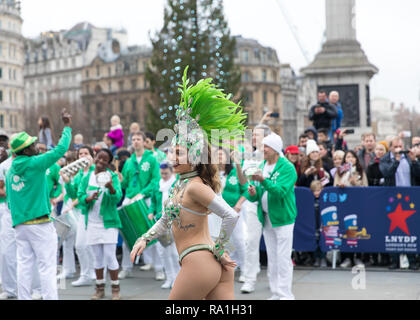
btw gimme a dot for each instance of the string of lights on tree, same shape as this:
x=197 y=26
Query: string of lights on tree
x=195 y=34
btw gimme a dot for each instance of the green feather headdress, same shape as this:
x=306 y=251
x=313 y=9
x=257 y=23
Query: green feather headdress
x=206 y=115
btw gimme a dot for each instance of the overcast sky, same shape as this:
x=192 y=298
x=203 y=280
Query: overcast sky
x=388 y=30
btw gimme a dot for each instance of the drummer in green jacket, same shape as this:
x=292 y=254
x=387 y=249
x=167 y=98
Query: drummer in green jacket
x=140 y=178
x=99 y=207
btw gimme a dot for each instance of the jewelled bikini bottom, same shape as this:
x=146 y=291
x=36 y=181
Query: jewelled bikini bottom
x=198 y=247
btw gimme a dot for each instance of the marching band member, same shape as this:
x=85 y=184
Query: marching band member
x=140 y=177
x=207 y=272
x=83 y=250
x=8 y=246
x=36 y=237
x=277 y=212
x=168 y=255
x=233 y=193
x=99 y=207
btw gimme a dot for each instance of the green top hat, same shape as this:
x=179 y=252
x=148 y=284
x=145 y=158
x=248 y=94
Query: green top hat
x=21 y=141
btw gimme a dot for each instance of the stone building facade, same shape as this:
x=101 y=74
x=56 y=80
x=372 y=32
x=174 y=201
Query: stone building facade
x=116 y=86
x=54 y=63
x=11 y=67
x=267 y=85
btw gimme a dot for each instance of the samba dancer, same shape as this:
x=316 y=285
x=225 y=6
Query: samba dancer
x=99 y=207
x=275 y=194
x=29 y=203
x=140 y=178
x=168 y=254
x=83 y=250
x=207 y=272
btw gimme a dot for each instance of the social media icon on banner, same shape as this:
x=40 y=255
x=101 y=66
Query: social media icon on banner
x=343 y=197
x=333 y=197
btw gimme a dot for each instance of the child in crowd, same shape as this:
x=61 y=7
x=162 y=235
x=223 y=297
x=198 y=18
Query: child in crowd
x=116 y=133
x=320 y=257
x=338 y=159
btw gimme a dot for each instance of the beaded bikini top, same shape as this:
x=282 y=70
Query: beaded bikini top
x=173 y=205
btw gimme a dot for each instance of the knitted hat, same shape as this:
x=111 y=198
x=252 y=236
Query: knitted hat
x=275 y=142
x=385 y=144
x=311 y=146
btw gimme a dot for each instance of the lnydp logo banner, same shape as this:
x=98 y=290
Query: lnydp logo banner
x=371 y=219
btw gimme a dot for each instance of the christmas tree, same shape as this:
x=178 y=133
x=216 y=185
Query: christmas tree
x=195 y=34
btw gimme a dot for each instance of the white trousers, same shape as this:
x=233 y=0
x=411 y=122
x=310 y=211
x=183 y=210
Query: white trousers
x=83 y=250
x=238 y=240
x=8 y=257
x=279 y=243
x=37 y=246
x=170 y=260
x=105 y=256
x=252 y=252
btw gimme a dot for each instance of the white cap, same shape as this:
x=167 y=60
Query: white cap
x=275 y=142
x=311 y=146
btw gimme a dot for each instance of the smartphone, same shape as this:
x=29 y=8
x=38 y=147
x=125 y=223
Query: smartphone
x=275 y=115
x=349 y=131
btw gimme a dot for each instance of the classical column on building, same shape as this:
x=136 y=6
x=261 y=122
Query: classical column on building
x=343 y=66
x=11 y=68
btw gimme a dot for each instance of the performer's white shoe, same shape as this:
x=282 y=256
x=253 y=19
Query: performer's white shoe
x=242 y=279
x=66 y=276
x=248 y=287
x=82 y=282
x=6 y=296
x=168 y=284
x=36 y=296
x=124 y=274
x=160 y=276
x=146 y=267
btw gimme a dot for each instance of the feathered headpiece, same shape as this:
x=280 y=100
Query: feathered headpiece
x=203 y=109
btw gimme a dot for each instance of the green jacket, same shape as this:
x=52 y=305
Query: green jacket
x=109 y=203
x=159 y=155
x=156 y=201
x=233 y=191
x=140 y=178
x=73 y=186
x=281 y=194
x=53 y=178
x=26 y=182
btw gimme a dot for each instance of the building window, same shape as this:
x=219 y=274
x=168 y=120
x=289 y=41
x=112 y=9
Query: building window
x=1 y=73
x=98 y=71
x=265 y=97
x=246 y=55
x=10 y=121
x=121 y=85
x=246 y=76
x=134 y=84
x=109 y=71
x=98 y=107
x=121 y=106
x=1 y=121
x=110 y=108
x=264 y=75
x=87 y=73
x=109 y=86
x=134 y=106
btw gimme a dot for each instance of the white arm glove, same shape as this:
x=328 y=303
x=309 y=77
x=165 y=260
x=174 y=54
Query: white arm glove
x=159 y=229
x=229 y=219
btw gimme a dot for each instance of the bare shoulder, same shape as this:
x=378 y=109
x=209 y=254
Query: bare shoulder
x=200 y=192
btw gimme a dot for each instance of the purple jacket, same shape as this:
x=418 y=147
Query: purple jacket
x=117 y=135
